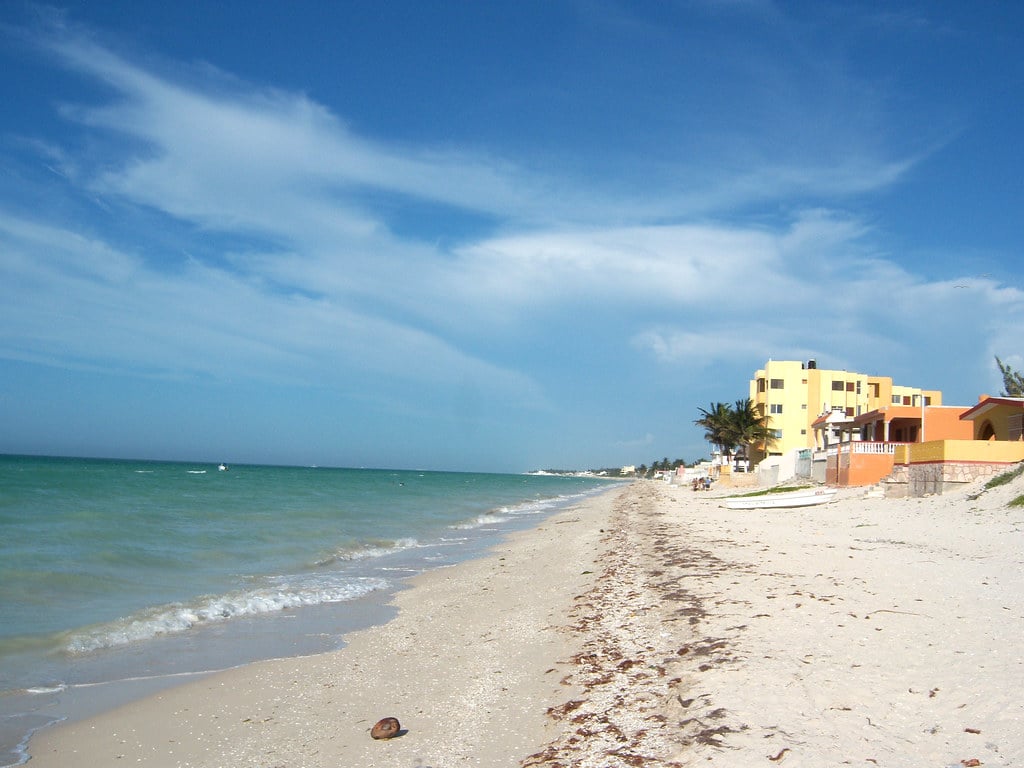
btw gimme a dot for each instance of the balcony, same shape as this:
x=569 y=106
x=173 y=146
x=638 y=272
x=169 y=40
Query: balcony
x=860 y=462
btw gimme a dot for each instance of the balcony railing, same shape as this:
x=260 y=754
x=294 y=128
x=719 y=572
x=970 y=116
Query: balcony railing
x=861 y=446
x=865 y=446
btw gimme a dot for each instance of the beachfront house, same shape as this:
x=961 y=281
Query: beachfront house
x=997 y=418
x=865 y=453
x=851 y=429
x=995 y=443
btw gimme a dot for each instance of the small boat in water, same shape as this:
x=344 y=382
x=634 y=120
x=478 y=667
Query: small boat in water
x=807 y=498
x=222 y=467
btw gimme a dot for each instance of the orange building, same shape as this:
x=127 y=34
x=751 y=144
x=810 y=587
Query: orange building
x=866 y=452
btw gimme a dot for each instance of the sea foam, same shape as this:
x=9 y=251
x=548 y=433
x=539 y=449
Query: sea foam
x=283 y=593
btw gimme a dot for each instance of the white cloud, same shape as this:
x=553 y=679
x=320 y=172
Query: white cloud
x=217 y=151
x=76 y=301
x=685 y=266
x=331 y=288
x=230 y=156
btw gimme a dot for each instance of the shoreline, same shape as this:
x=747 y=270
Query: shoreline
x=60 y=688
x=439 y=678
x=648 y=625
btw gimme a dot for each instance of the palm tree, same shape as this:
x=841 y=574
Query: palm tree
x=717 y=422
x=738 y=425
x=1013 y=382
x=750 y=428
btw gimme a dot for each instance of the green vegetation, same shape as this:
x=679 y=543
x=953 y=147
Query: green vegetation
x=1013 y=382
x=1017 y=502
x=660 y=466
x=732 y=427
x=1006 y=477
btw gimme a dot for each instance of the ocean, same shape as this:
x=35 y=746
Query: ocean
x=118 y=577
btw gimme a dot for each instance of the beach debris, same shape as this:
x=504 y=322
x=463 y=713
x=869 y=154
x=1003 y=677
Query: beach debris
x=386 y=728
x=779 y=756
x=971 y=763
x=971 y=730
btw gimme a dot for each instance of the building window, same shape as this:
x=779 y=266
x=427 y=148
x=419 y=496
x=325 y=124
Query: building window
x=761 y=385
x=803 y=406
x=849 y=386
x=777 y=434
x=803 y=431
x=838 y=386
x=775 y=408
x=906 y=399
x=776 y=384
x=858 y=387
x=849 y=412
x=1016 y=426
x=895 y=399
x=927 y=400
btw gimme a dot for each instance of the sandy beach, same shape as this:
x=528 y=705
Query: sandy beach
x=648 y=625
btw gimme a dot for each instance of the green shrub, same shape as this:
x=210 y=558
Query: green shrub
x=1006 y=477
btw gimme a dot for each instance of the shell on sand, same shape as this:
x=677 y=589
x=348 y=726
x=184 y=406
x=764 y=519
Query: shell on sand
x=386 y=728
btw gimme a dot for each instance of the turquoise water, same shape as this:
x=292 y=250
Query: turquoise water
x=107 y=568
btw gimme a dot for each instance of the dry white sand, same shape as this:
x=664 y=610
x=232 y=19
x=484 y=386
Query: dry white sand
x=865 y=632
x=648 y=626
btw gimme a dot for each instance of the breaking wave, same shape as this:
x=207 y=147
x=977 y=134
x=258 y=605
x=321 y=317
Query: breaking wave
x=283 y=593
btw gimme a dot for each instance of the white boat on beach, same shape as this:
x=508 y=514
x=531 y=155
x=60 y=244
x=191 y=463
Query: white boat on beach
x=807 y=498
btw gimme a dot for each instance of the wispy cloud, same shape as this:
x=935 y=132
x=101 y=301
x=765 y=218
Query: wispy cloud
x=211 y=149
x=319 y=284
x=228 y=155
x=77 y=302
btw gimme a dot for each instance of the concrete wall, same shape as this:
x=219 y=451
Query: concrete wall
x=819 y=469
x=768 y=472
x=984 y=451
x=944 y=423
x=940 y=466
x=865 y=468
x=780 y=469
x=917 y=480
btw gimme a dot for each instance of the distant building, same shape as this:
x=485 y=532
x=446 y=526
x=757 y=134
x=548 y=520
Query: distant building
x=807 y=406
x=628 y=470
x=850 y=429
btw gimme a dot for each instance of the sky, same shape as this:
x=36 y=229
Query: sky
x=497 y=236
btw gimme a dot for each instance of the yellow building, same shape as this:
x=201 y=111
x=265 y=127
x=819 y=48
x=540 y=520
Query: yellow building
x=794 y=394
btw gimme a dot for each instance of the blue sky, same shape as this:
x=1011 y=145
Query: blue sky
x=492 y=236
